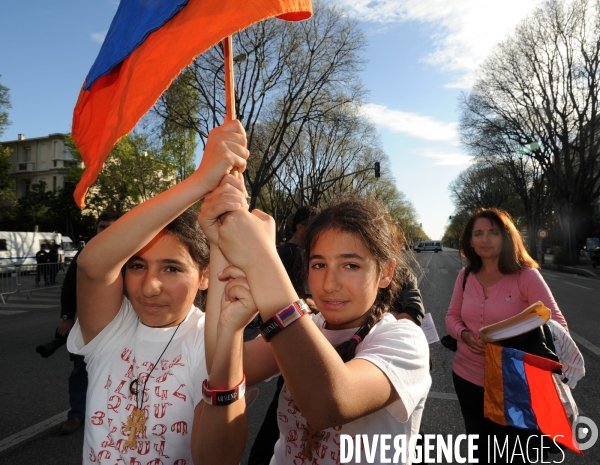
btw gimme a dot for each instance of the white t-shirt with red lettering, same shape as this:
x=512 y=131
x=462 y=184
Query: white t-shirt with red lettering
x=400 y=350
x=125 y=350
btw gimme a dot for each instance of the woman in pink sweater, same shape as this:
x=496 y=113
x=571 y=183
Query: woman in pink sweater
x=499 y=281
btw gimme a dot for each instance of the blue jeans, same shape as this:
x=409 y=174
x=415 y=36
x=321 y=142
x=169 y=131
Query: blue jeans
x=78 y=382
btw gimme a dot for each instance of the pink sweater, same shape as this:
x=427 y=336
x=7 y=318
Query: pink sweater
x=471 y=310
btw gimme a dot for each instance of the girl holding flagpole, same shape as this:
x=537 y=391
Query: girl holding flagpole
x=139 y=327
x=351 y=369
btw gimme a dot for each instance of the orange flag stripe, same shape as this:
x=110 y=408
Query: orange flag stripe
x=117 y=101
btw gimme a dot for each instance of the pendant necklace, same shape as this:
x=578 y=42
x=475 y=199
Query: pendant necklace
x=137 y=418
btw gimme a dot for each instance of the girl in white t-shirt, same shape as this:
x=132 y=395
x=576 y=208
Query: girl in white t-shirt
x=145 y=350
x=353 y=368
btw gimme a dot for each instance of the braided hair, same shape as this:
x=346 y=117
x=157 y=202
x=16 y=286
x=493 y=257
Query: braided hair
x=368 y=220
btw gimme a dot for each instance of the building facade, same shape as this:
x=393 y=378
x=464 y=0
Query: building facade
x=39 y=159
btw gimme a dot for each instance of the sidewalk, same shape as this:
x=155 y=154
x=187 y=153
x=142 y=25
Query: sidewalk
x=581 y=270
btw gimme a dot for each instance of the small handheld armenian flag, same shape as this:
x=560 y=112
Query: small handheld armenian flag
x=520 y=392
x=147 y=45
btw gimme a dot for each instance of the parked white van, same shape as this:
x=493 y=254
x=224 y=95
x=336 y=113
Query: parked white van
x=18 y=248
x=424 y=246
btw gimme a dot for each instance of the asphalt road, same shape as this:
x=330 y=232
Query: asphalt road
x=33 y=391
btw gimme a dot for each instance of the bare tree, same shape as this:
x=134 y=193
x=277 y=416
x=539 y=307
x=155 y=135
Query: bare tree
x=540 y=89
x=293 y=74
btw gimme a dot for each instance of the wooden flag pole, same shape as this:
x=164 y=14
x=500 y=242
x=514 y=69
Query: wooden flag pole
x=229 y=82
x=229 y=86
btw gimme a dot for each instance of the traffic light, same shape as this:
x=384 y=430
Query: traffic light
x=377 y=169
x=450 y=219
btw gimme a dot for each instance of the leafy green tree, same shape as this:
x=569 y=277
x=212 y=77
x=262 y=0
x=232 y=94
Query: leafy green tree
x=4 y=107
x=8 y=198
x=135 y=170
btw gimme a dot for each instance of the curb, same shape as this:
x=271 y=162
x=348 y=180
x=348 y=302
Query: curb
x=571 y=269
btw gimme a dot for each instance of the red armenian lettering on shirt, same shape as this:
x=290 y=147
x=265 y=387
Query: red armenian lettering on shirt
x=103 y=454
x=159 y=430
x=161 y=394
x=114 y=403
x=161 y=409
x=321 y=450
x=92 y=455
x=155 y=462
x=180 y=427
x=177 y=362
x=180 y=395
x=143 y=447
x=163 y=378
x=335 y=455
x=129 y=373
x=134 y=461
x=292 y=437
x=98 y=418
x=160 y=448
x=108 y=383
x=126 y=354
x=300 y=459
x=282 y=417
x=180 y=462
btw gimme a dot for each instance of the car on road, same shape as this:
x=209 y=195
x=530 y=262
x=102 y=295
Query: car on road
x=427 y=246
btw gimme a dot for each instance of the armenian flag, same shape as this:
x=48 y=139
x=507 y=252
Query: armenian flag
x=520 y=392
x=147 y=45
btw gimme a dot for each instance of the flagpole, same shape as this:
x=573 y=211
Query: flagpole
x=229 y=82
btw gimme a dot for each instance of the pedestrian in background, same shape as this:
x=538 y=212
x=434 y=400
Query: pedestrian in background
x=78 y=379
x=42 y=258
x=499 y=281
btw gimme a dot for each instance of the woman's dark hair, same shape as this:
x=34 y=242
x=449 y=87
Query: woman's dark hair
x=367 y=219
x=186 y=228
x=513 y=257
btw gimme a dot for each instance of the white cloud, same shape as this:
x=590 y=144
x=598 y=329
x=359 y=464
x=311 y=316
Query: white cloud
x=410 y=124
x=440 y=157
x=463 y=31
x=99 y=37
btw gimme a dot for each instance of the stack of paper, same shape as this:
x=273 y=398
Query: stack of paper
x=532 y=317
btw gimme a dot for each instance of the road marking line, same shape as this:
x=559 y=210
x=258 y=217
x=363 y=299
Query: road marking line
x=577 y=285
x=32 y=431
x=585 y=343
x=442 y=395
x=425 y=269
x=11 y=312
x=545 y=273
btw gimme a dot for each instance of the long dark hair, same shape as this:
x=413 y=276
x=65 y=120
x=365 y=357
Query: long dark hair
x=368 y=220
x=187 y=230
x=513 y=257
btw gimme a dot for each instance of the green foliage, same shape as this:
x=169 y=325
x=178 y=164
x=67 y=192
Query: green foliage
x=135 y=171
x=4 y=106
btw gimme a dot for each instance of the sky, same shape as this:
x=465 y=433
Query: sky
x=421 y=56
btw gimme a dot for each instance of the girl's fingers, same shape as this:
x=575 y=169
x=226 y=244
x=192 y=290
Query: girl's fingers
x=235 y=182
x=231 y=272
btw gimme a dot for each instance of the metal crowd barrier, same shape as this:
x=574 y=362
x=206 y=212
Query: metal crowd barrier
x=9 y=282
x=30 y=278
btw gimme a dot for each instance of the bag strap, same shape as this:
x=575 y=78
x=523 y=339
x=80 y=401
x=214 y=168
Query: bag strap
x=465 y=276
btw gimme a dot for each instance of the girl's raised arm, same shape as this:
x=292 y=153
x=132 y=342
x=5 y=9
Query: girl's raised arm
x=99 y=279
x=308 y=362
